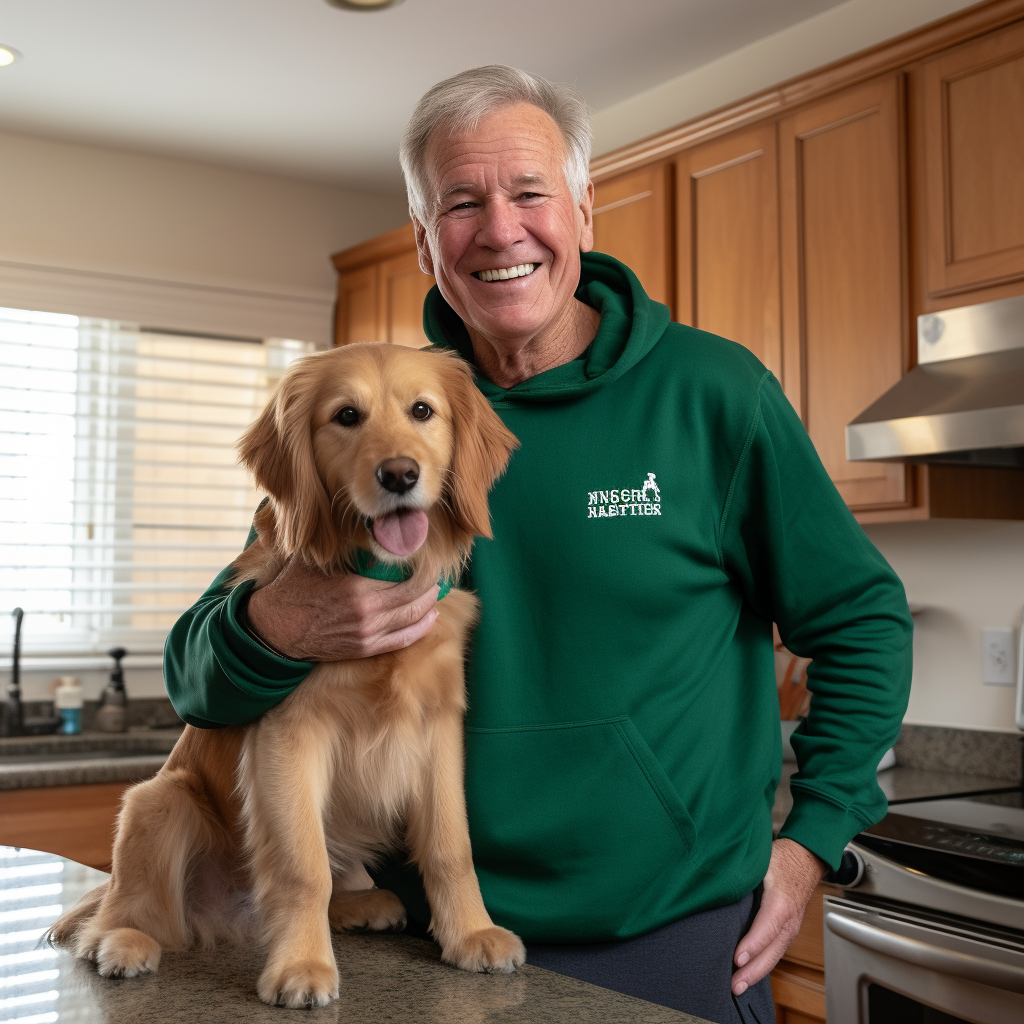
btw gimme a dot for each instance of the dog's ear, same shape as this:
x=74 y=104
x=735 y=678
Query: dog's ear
x=278 y=450
x=483 y=446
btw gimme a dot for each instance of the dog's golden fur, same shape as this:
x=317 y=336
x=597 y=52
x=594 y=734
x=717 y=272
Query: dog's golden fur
x=264 y=831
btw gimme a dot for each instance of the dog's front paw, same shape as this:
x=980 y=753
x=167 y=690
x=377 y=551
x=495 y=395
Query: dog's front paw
x=366 y=910
x=491 y=950
x=126 y=952
x=299 y=985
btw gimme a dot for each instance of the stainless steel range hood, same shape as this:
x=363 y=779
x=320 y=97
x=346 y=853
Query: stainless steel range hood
x=964 y=401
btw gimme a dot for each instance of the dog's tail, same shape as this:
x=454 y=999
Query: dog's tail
x=63 y=931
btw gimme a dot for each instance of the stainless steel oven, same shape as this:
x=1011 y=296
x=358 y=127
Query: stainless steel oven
x=930 y=927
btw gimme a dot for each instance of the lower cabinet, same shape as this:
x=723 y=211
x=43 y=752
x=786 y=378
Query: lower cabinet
x=798 y=981
x=76 y=822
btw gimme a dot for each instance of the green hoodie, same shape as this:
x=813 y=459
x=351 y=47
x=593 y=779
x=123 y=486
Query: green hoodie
x=622 y=741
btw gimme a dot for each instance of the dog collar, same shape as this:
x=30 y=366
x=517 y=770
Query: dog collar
x=367 y=565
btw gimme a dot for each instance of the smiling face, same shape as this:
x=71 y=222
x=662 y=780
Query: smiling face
x=507 y=234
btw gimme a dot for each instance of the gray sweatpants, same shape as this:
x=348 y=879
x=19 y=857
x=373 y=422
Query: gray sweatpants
x=686 y=965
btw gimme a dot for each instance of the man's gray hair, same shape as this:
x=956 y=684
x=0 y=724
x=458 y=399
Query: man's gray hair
x=459 y=103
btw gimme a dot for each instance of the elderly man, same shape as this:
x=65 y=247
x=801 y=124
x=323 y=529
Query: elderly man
x=622 y=742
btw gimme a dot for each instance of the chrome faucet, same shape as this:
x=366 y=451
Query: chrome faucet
x=13 y=722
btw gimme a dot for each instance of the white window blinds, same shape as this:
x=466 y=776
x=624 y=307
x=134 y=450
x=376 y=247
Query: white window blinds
x=120 y=494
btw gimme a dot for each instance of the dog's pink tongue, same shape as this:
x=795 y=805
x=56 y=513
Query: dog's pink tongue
x=401 y=533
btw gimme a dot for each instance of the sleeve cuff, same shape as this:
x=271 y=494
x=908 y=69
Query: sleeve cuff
x=252 y=664
x=821 y=826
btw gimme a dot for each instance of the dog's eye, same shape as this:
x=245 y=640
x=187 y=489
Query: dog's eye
x=422 y=411
x=348 y=417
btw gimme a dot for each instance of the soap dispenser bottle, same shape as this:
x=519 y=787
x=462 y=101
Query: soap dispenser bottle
x=112 y=715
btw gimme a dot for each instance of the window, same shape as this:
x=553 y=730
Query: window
x=120 y=494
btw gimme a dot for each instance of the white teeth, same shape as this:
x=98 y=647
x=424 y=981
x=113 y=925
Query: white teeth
x=504 y=273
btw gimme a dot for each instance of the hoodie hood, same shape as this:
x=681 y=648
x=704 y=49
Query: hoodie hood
x=631 y=324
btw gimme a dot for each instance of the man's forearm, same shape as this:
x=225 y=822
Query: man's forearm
x=215 y=672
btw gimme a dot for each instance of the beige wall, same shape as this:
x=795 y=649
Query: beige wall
x=810 y=44
x=89 y=208
x=966 y=575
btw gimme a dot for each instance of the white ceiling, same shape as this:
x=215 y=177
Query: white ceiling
x=301 y=88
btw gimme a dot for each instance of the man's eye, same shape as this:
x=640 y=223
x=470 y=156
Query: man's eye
x=467 y=205
x=421 y=411
x=347 y=417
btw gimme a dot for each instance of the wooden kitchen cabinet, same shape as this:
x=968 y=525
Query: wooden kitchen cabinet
x=843 y=273
x=401 y=289
x=727 y=241
x=633 y=223
x=76 y=822
x=969 y=165
x=355 y=316
x=381 y=291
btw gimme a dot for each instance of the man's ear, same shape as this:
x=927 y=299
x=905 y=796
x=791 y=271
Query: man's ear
x=586 y=208
x=422 y=247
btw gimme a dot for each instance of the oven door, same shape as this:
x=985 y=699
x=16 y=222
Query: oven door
x=894 y=963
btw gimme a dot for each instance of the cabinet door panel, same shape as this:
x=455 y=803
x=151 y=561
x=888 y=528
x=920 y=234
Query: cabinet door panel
x=403 y=287
x=356 y=315
x=972 y=118
x=728 y=242
x=632 y=223
x=842 y=268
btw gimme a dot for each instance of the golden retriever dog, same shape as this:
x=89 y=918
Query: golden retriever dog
x=263 y=832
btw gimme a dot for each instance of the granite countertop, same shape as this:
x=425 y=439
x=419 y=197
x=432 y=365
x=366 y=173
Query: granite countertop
x=139 y=753
x=899 y=784
x=27 y=762
x=383 y=977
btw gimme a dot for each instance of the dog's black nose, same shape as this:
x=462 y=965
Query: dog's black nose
x=398 y=475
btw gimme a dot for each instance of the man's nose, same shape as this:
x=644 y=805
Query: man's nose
x=500 y=227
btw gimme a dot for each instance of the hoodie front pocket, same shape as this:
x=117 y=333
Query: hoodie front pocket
x=577 y=832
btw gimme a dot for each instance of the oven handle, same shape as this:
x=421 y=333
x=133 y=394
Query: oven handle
x=962 y=965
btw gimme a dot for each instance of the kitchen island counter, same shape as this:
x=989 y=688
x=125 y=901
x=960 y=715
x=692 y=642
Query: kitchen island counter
x=383 y=977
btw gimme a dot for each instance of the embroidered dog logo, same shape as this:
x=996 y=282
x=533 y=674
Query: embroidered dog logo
x=649 y=484
x=626 y=501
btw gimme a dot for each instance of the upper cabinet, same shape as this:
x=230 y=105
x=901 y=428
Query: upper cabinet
x=969 y=107
x=842 y=275
x=633 y=223
x=355 y=314
x=401 y=289
x=727 y=241
x=381 y=291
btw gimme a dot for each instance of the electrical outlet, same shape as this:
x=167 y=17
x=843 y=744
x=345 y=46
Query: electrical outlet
x=997 y=656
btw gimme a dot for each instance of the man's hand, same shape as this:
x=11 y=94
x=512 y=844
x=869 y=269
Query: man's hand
x=310 y=616
x=793 y=872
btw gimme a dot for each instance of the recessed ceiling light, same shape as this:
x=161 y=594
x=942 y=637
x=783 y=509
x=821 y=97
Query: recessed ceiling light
x=8 y=55
x=363 y=5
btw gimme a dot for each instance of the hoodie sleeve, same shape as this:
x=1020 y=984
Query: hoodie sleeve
x=802 y=560
x=216 y=672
